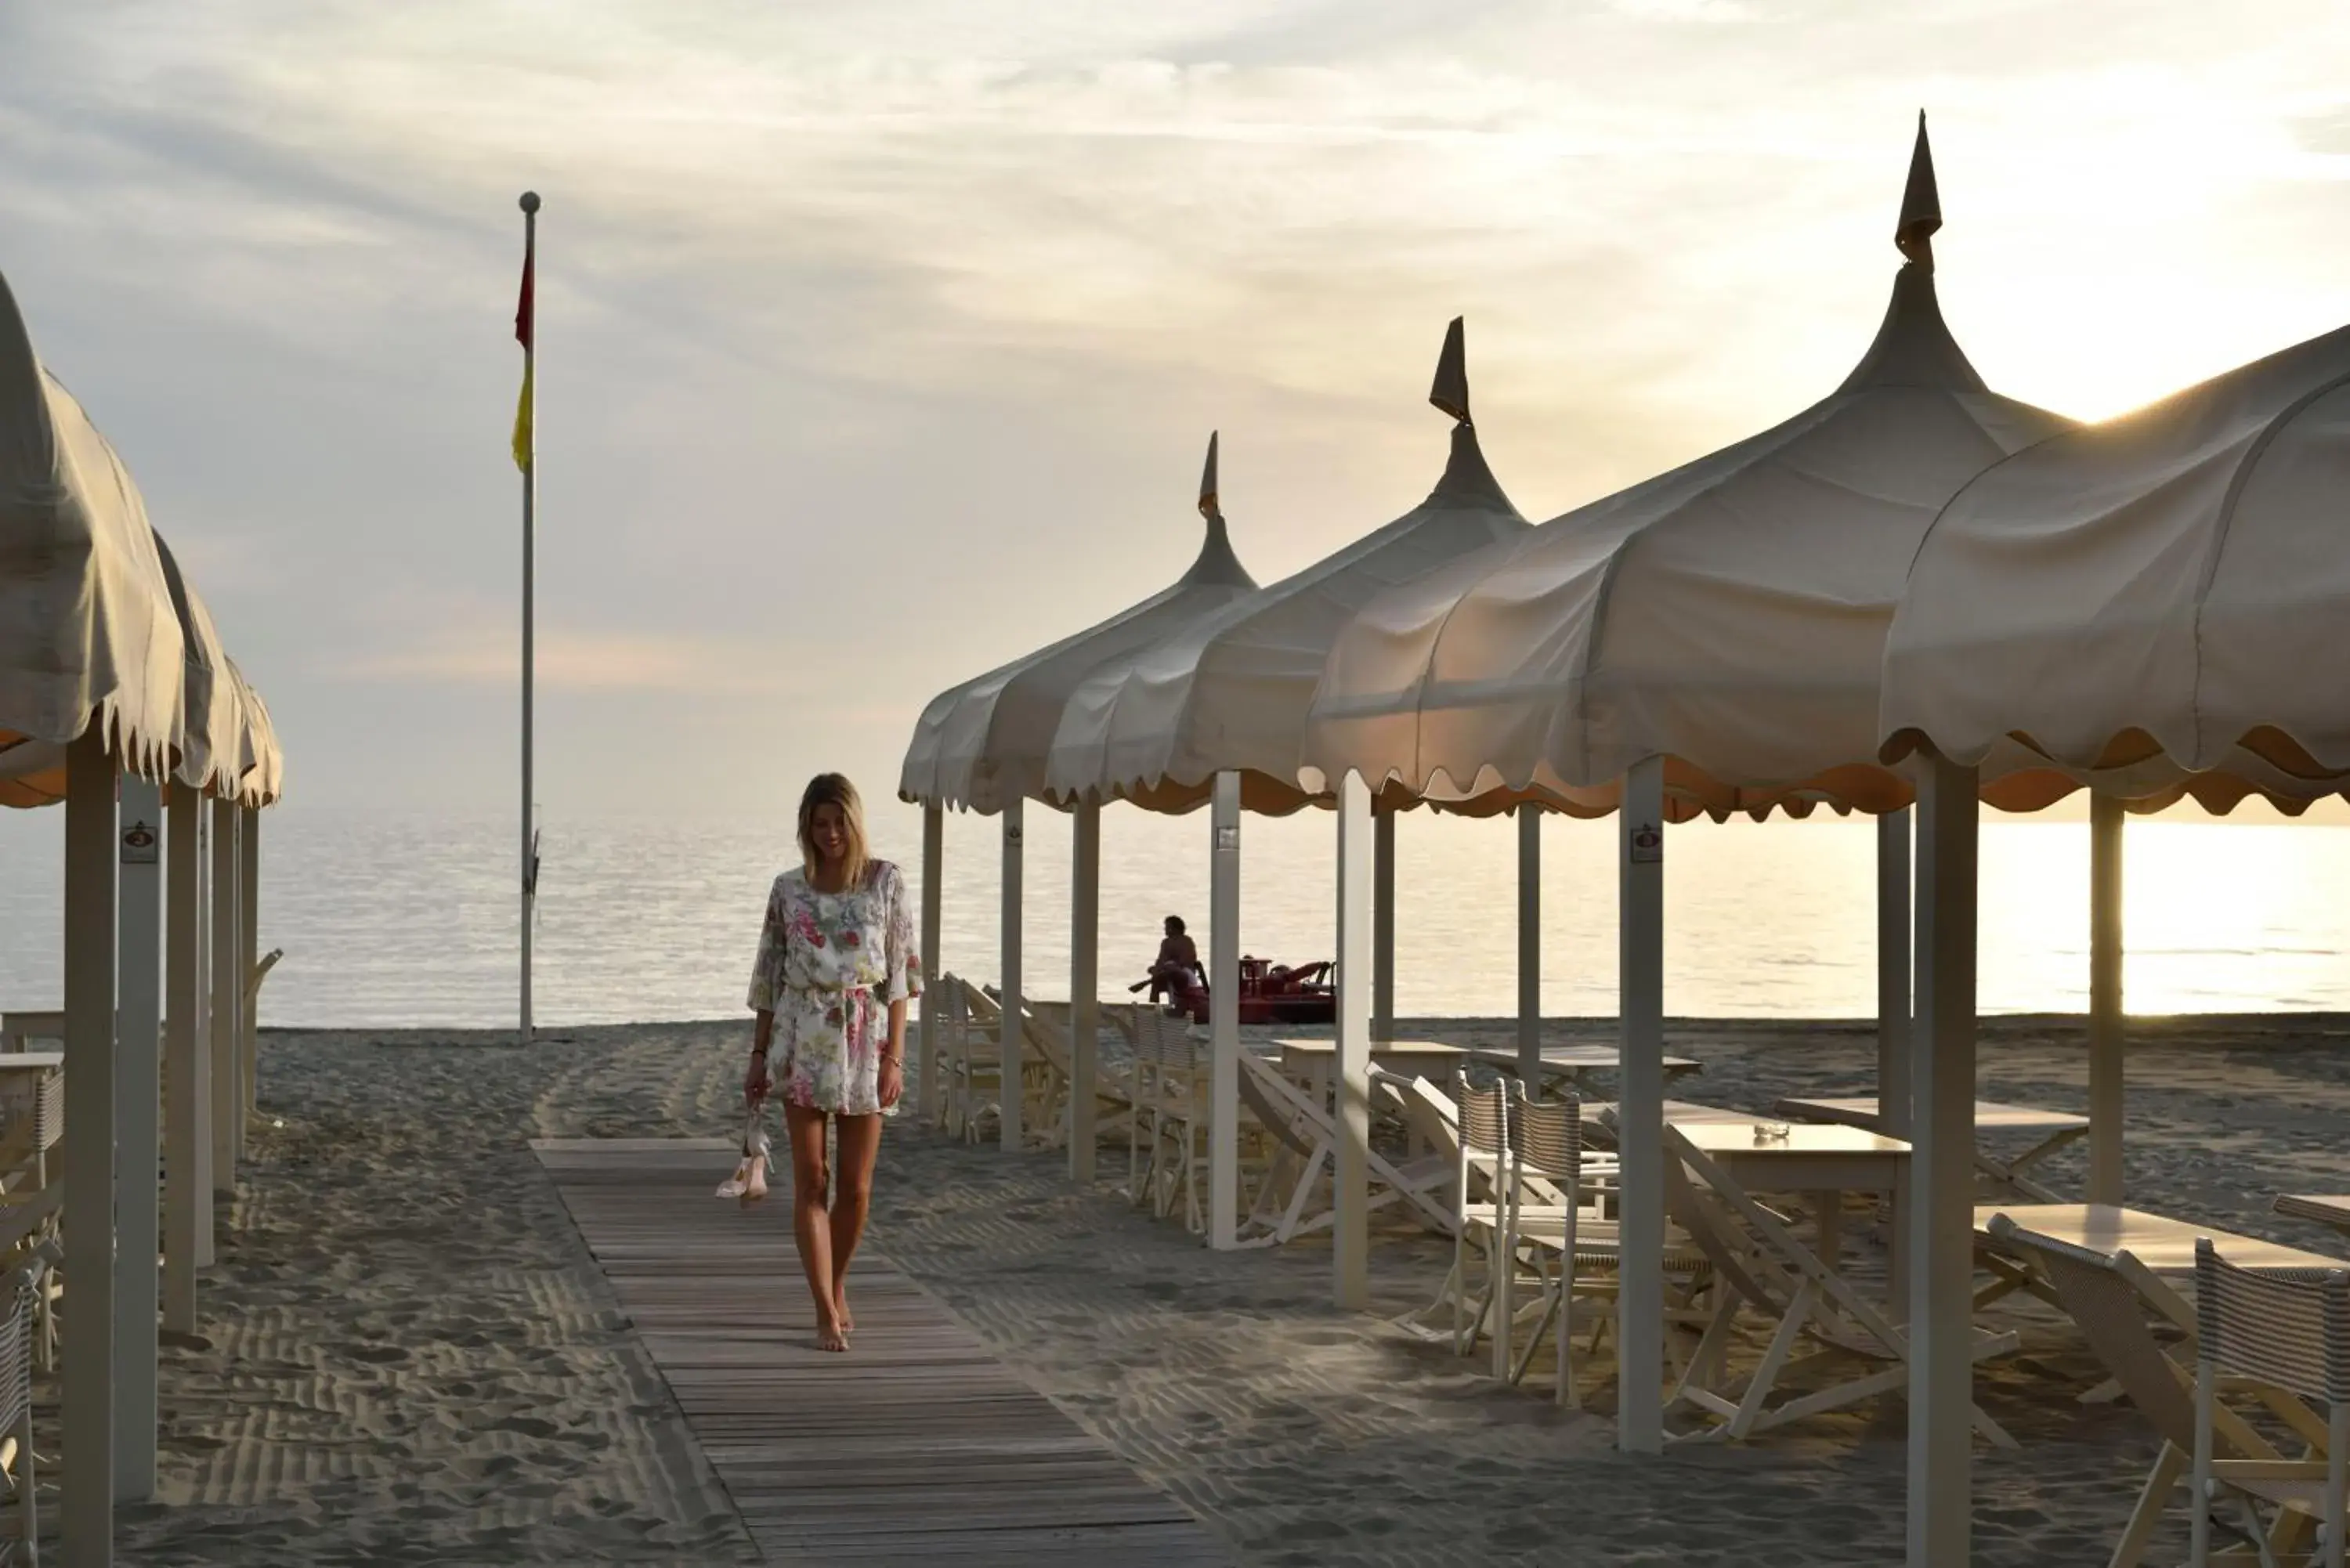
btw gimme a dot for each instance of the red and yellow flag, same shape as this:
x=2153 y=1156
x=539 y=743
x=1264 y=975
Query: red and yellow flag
x=522 y=322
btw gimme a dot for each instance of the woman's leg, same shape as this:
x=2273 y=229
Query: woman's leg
x=861 y=1142
x=811 y=1226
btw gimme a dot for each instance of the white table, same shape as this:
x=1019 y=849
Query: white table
x=1678 y=1112
x=2051 y=1130
x=1764 y=1166
x=1315 y=1061
x=1822 y=1161
x=1575 y=1062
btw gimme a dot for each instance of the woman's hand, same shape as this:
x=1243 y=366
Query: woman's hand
x=754 y=1078
x=890 y=1082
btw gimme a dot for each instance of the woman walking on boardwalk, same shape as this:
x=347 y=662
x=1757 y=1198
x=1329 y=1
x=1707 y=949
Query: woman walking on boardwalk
x=836 y=966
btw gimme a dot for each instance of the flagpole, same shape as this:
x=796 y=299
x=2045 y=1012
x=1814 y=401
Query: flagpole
x=529 y=565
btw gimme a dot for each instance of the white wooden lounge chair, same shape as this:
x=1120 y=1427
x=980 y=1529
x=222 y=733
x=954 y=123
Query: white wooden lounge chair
x=1043 y=1071
x=1045 y=1027
x=2111 y=1296
x=1292 y=1200
x=1760 y=1264
x=21 y=1290
x=2288 y=1331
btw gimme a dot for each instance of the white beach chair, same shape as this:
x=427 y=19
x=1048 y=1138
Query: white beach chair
x=1043 y=1071
x=1482 y=1150
x=1568 y=1246
x=1434 y=1118
x=22 y=1289
x=32 y=1124
x=1166 y=1117
x=1293 y=1196
x=2287 y=1332
x=1046 y=1027
x=1546 y=1142
x=2109 y=1297
x=1759 y=1264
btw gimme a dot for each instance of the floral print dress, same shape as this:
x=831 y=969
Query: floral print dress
x=829 y=966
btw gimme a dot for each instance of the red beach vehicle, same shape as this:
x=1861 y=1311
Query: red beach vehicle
x=1270 y=993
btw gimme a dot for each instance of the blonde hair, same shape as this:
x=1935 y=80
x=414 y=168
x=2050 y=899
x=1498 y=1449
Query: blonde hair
x=834 y=789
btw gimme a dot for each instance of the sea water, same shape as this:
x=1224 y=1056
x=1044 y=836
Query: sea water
x=388 y=920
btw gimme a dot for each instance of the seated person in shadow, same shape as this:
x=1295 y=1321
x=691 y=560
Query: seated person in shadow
x=1177 y=966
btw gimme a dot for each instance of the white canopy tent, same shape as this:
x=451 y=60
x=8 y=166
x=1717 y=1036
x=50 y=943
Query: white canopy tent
x=113 y=690
x=91 y=674
x=230 y=767
x=89 y=642
x=2149 y=606
x=983 y=747
x=1707 y=641
x=1218 y=709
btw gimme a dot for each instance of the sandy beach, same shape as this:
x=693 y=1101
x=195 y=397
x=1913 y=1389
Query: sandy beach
x=408 y=1357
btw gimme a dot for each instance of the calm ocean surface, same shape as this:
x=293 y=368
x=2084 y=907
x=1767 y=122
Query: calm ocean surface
x=411 y=921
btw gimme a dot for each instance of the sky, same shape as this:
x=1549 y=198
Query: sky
x=878 y=343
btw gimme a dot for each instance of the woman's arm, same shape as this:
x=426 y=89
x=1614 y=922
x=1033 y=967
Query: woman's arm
x=905 y=985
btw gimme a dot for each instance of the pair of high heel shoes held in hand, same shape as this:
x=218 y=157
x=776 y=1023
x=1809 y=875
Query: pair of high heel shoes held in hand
x=749 y=1182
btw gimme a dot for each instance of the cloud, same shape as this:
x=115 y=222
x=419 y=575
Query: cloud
x=1686 y=10
x=880 y=340
x=581 y=661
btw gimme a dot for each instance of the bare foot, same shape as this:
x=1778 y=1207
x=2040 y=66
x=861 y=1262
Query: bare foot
x=840 y=1310
x=830 y=1336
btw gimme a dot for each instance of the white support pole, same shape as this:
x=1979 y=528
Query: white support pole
x=1893 y=950
x=1530 y=946
x=138 y=1135
x=1011 y=1094
x=927 y=1084
x=1224 y=1011
x=187 y=1144
x=1942 y=1173
x=248 y=952
x=227 y=1098
x=2105 y=1000
x=1640 y=1111
x=201 y=1168
x=88 y=1371
x=1085 y=977
x=1350 y=1235
x=1383 y=914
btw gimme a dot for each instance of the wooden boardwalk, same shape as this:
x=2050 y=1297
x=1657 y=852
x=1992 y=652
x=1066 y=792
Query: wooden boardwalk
x=917 y=1446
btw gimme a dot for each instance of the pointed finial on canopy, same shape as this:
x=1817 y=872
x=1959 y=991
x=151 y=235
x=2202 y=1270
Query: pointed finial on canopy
x=1208 y=507
x=1921 y=204
x=1451 y=391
